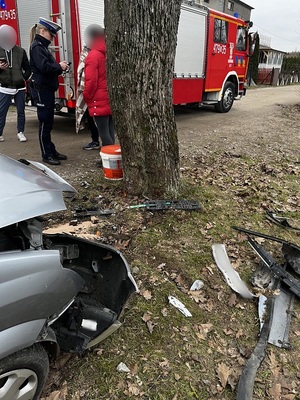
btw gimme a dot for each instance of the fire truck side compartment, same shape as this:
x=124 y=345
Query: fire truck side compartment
x=203 y=62
x=190 y=55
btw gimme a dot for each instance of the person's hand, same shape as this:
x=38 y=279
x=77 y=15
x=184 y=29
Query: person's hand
x=3 y=65
x=64 y=65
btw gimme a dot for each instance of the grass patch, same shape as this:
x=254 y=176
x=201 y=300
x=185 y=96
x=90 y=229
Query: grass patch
x=184 y=358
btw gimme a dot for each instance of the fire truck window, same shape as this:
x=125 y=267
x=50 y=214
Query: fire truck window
x=241 y=39
x=221 y=29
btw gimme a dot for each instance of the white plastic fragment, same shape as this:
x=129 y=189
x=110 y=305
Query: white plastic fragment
x=180 y=306
x=123 y=367
x=232 y=277
x=89 y=324
x=262 y=307
x=197 y=285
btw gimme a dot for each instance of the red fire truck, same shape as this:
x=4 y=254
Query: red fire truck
x=211 y=57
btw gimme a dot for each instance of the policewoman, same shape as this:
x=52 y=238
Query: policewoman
x=45 y=73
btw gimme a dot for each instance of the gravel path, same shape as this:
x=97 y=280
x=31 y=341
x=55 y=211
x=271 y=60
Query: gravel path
x=264 y=125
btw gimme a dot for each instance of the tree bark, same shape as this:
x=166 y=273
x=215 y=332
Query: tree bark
x=141 y=37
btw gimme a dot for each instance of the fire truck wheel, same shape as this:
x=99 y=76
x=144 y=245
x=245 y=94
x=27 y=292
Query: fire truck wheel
x=227 y=100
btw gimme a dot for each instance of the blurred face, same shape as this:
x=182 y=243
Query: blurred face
x=91 y=33
x=46 y=34
x=8 y=37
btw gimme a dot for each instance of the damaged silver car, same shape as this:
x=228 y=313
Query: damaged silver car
x=58 y=292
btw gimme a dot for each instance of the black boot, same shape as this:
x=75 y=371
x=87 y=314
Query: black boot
x=51 y=161
x=59 y=156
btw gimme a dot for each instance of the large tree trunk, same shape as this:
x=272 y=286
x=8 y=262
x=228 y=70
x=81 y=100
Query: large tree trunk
x=141 y=42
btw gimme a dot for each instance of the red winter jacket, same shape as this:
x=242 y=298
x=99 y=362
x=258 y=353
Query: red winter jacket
x=95 y=92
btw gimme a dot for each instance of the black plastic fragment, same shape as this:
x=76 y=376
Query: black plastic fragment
x=87 y=212
x=247 y=378
x=23 y=161
x=278 y=271
x=268 y=237
x=281 y=221
x=158 y=205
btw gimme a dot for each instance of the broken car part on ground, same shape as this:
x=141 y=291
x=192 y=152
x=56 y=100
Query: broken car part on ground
x=159 y=205
x=281 y=221
x=275 y=310
x=58 y=292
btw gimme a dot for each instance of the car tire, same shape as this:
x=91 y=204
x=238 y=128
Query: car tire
x=24 y=373
x=228 y=95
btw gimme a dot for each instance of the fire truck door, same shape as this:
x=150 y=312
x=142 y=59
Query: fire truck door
x=240 y=58
x=219 y=52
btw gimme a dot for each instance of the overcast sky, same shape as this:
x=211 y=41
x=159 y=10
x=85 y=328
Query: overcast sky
x=278 y=20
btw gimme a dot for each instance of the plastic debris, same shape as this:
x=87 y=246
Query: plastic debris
x=123 y=367
x=180 y=306
x=262 y=307
x=280 y=327
x=232 y=277
x=197 y=285
x=157 y=205
x=281 y=221
x=92 y=211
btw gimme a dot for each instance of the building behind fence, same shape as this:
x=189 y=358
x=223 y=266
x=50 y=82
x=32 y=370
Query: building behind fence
x=270 y=63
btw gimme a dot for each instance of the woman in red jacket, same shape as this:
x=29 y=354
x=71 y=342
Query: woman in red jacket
x=95 y=91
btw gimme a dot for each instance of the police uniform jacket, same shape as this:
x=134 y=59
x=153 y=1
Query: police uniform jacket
x=45 y=69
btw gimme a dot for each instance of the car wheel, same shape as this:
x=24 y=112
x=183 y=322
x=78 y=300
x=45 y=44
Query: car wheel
x=228 y=95
x=23 y=374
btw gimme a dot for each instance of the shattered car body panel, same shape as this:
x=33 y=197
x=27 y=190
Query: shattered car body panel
x=27 y=192
x=108 y=285
x=46 y=286
x=69 y=291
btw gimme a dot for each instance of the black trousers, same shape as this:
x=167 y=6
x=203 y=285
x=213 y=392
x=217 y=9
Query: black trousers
x=43 y=99
x=106 y=131
x=92 y=127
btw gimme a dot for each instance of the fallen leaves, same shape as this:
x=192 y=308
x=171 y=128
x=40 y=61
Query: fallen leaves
x=149 y=323
x=146 y=294
x=202 y=330
x=215 y=351
x=232 y=300
x=58 y=394
x=198 y=296
x=223 y=372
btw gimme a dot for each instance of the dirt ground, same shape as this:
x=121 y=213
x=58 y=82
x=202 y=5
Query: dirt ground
x=237 y=165
x=254 y=126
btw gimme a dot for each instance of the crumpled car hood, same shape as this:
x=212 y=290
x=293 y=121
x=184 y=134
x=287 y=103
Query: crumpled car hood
x=29 y=190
